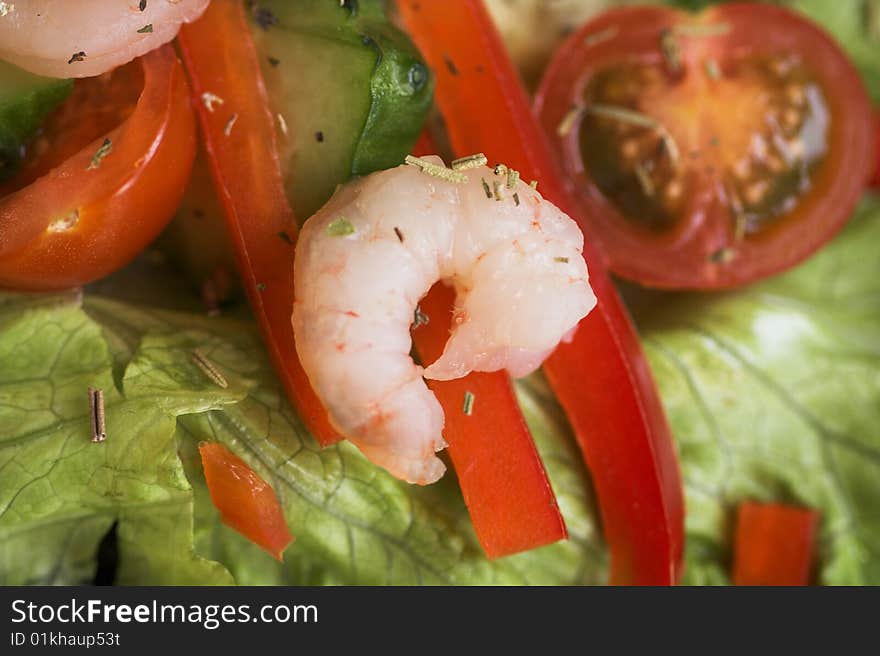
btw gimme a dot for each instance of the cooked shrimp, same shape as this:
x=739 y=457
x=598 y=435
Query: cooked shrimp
x=81 y=38
x=367 y=257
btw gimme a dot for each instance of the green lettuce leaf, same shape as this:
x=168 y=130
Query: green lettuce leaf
x=774 y=394
x=60 y=493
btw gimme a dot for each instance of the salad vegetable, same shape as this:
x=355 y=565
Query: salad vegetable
x=356 y=108
x=143 y=441
x=25 y=101
x=246 y=164
x=625 y=439
x=734 y=142
x=98 y=191
x=500 y=473
x=247 y=173
x=737 y=373
x=504 y=484
x=245 y=501
x=774 y=544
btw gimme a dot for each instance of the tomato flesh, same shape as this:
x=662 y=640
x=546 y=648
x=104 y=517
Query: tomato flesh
x=708 y=151
x=761 y=135
x=95 y=107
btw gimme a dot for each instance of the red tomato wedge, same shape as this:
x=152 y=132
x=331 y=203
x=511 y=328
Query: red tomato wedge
x=114 y=163
x=774 y=544
x=246 y=502
x=707 y=150
x=601 y=377
x=242 y=150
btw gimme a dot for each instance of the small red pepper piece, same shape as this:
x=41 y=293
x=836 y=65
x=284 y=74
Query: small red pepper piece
x=773 y=544
x=601 y=378
x=239 y=136
x=502 y=478
x=246 y=502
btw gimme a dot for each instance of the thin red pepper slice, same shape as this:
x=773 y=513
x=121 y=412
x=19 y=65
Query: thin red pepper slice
x=238 y=127
x=773 y=544
x=601 y=378
x=502 y=478
x=246 y=502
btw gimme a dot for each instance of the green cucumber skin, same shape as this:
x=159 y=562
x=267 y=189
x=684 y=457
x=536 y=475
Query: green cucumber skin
x=25 y=102
x=352 y=89
x=402 y=90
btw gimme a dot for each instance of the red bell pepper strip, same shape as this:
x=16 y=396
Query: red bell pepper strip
x=502 y=479
x=601 y=378
x=246 y=502
x=240 y=139
x=773 y=544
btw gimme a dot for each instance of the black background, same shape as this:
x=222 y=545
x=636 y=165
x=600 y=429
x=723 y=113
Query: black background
x=486 y=621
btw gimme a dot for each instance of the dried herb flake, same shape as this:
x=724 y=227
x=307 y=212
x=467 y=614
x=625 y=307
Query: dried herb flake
x=468 y=405
x=340 y=227
x=100 y=154
x=420 y=318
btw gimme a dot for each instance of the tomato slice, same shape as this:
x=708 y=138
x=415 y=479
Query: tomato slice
x=708 y=150
x=246 y=502
x=106 y=176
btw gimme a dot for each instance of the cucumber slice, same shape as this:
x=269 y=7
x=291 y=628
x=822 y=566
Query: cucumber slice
x=25 y=101
x=348 y=88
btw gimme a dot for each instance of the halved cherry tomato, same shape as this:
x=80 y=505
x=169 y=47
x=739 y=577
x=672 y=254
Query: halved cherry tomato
x=246 y=502
x=708 y=150
x=107 y=176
